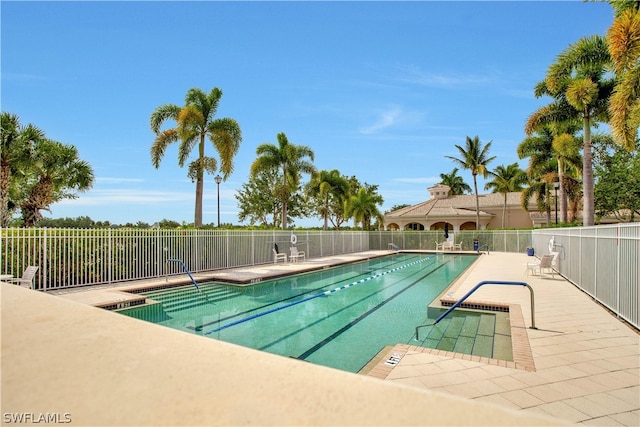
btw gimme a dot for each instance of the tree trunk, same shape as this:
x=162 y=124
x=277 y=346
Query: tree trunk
x=198 y=208
x=504 y=209
x=5 y=179
x=285 y=196
x=40 y=198
x=587 y=175
x=475 y=188
x=199 y=184
x=561 y=193
x=326 y=213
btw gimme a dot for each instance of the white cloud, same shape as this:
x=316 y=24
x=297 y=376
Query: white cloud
x=413 y=74
x=126 y=197
x=114 y=180
x=418 y=180
x=385 y=119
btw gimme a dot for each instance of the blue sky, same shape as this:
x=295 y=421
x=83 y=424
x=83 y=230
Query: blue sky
x=379 y=90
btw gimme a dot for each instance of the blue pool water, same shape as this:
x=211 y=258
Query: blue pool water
x=339 y=317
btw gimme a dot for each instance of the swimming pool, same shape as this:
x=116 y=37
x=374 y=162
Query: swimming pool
x=339 y=317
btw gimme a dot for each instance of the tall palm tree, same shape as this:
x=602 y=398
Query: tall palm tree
x=292 y=161
x=455 y=183
x=15 y=151
x=566 y=149
x=57 y=173
x=623 y=40
x=553 y=140
x=363 y=206
x=506 y=179
x=327 y=185
x=194 y=123
x=474 y=157
x=579 y=76
x=540 y=185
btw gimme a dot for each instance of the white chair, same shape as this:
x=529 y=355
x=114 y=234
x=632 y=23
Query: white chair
x=452 y=243
x=448 y=245
x=26 y=280
x=546 y=262
x=296 y=254
x=277 y=255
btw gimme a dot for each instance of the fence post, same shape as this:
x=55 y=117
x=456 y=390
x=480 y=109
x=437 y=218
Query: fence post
x=44 y=258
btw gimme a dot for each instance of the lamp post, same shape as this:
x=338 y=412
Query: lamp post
x=556 y=185
x=218 y=180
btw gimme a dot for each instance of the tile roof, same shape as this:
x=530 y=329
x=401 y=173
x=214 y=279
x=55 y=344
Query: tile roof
x=457 y=205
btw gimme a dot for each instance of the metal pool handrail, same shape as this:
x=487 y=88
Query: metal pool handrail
x=186 y=270
x=484 y=246
x=484 y=282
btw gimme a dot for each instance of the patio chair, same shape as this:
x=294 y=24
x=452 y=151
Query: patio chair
x=452 y=243
x=26 y=281
x=448 y=245
x=277 y=255
x=296 y=254
x=546 y=262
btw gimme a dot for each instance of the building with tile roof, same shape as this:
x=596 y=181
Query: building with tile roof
x=460 y=212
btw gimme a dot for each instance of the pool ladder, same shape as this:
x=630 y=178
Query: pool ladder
x=475 y=288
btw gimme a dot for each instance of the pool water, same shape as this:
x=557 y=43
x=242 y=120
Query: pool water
x=339 y=317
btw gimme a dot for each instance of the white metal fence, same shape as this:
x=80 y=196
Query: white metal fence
x=603 y=261
x=492 y=240
x=79 y=257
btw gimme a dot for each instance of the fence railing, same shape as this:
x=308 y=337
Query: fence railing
x=603 y=261
x=80 y=257
x=496 y=240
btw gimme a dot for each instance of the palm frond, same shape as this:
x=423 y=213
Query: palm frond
x=623 y=39
x=161 y=114
x=160 y=145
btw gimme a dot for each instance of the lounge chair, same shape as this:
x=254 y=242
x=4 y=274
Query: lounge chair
x=277 y=255
x=546 y=262
x=296 y=254
x=26 y=281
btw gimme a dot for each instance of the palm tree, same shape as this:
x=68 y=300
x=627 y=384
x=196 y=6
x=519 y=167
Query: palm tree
x=58 y=173
x=541 y=179
x=475 y=158
x=15 y=151
x=363 y=206
x=549 y=141
x=195 y=122
x=327 y=185
x=292 y=161
x=578 y=75
x=623 y=40
x=455 y=183
x=506 y=179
